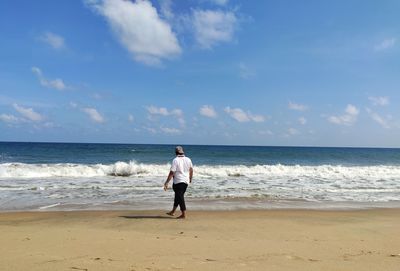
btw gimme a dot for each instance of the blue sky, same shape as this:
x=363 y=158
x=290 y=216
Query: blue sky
x=297 y=73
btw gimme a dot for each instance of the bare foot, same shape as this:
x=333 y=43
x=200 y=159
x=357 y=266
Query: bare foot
x=181 y=217
x=170 y=213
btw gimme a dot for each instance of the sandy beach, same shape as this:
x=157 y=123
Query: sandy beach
x=228 y=240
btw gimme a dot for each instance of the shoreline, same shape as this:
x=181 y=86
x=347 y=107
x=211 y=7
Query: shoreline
x=225 y=204
x=162 y=212
x=207 y=240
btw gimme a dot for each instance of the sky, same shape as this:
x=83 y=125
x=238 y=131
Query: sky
x=231 y=72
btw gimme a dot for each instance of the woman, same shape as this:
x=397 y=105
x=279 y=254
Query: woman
x=182 y=173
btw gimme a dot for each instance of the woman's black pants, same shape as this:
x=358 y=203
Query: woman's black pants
x=180 y=189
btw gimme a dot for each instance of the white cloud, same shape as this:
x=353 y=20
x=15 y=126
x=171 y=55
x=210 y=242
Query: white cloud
x=93 y=114
x=220 y=2
x=238 y=114
x=177 y=112
x=139 y=29
x=352 y=110
x=166 y=9
x=256 y=118
x=245 y=72
x=385 y=44
x=292 y=131
x=208 y=111
x=297 y=107
x=153 y=110
x=97 y=96
x=217 y=2
x=213 y=26
x=173 y=131
x=55 y=84
x=241 y=116
x=73 y=105
x=382 y=101
x=162 y=111
x=382 y=121
x=349 y=118
x=28 y=113
x=302 y=120
x=150 y=130
x=9 y=118
x=54 y=40
x=131 y=118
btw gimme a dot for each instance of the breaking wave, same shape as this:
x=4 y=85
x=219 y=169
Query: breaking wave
x=133 y=169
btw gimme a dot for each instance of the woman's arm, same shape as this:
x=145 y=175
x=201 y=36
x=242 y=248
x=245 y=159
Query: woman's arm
x=190 y=174
x=170 y=175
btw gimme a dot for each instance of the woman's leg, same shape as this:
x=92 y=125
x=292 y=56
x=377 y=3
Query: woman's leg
x=176 y=201
x=177 y=198
x=180 y=194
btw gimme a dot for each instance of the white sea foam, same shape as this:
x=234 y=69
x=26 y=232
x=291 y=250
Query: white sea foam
x=21 y=170
x=49 y=206
x=292 y=172
x=92 y=184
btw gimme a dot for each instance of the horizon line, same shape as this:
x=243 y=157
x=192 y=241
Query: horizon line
x=191 y=144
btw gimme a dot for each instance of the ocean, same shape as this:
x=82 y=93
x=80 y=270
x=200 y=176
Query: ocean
x=70 y=176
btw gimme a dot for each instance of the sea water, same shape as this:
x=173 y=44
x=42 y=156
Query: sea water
x=69 y=176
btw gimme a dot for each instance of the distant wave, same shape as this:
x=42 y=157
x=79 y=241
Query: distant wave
x=289 y=172
x=21 y=170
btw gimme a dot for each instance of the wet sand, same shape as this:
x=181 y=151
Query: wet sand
x=215 y=240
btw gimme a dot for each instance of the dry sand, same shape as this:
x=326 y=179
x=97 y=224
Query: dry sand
x=231 y=240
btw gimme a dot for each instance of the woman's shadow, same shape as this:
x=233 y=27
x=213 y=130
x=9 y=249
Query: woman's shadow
x=146 y=217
